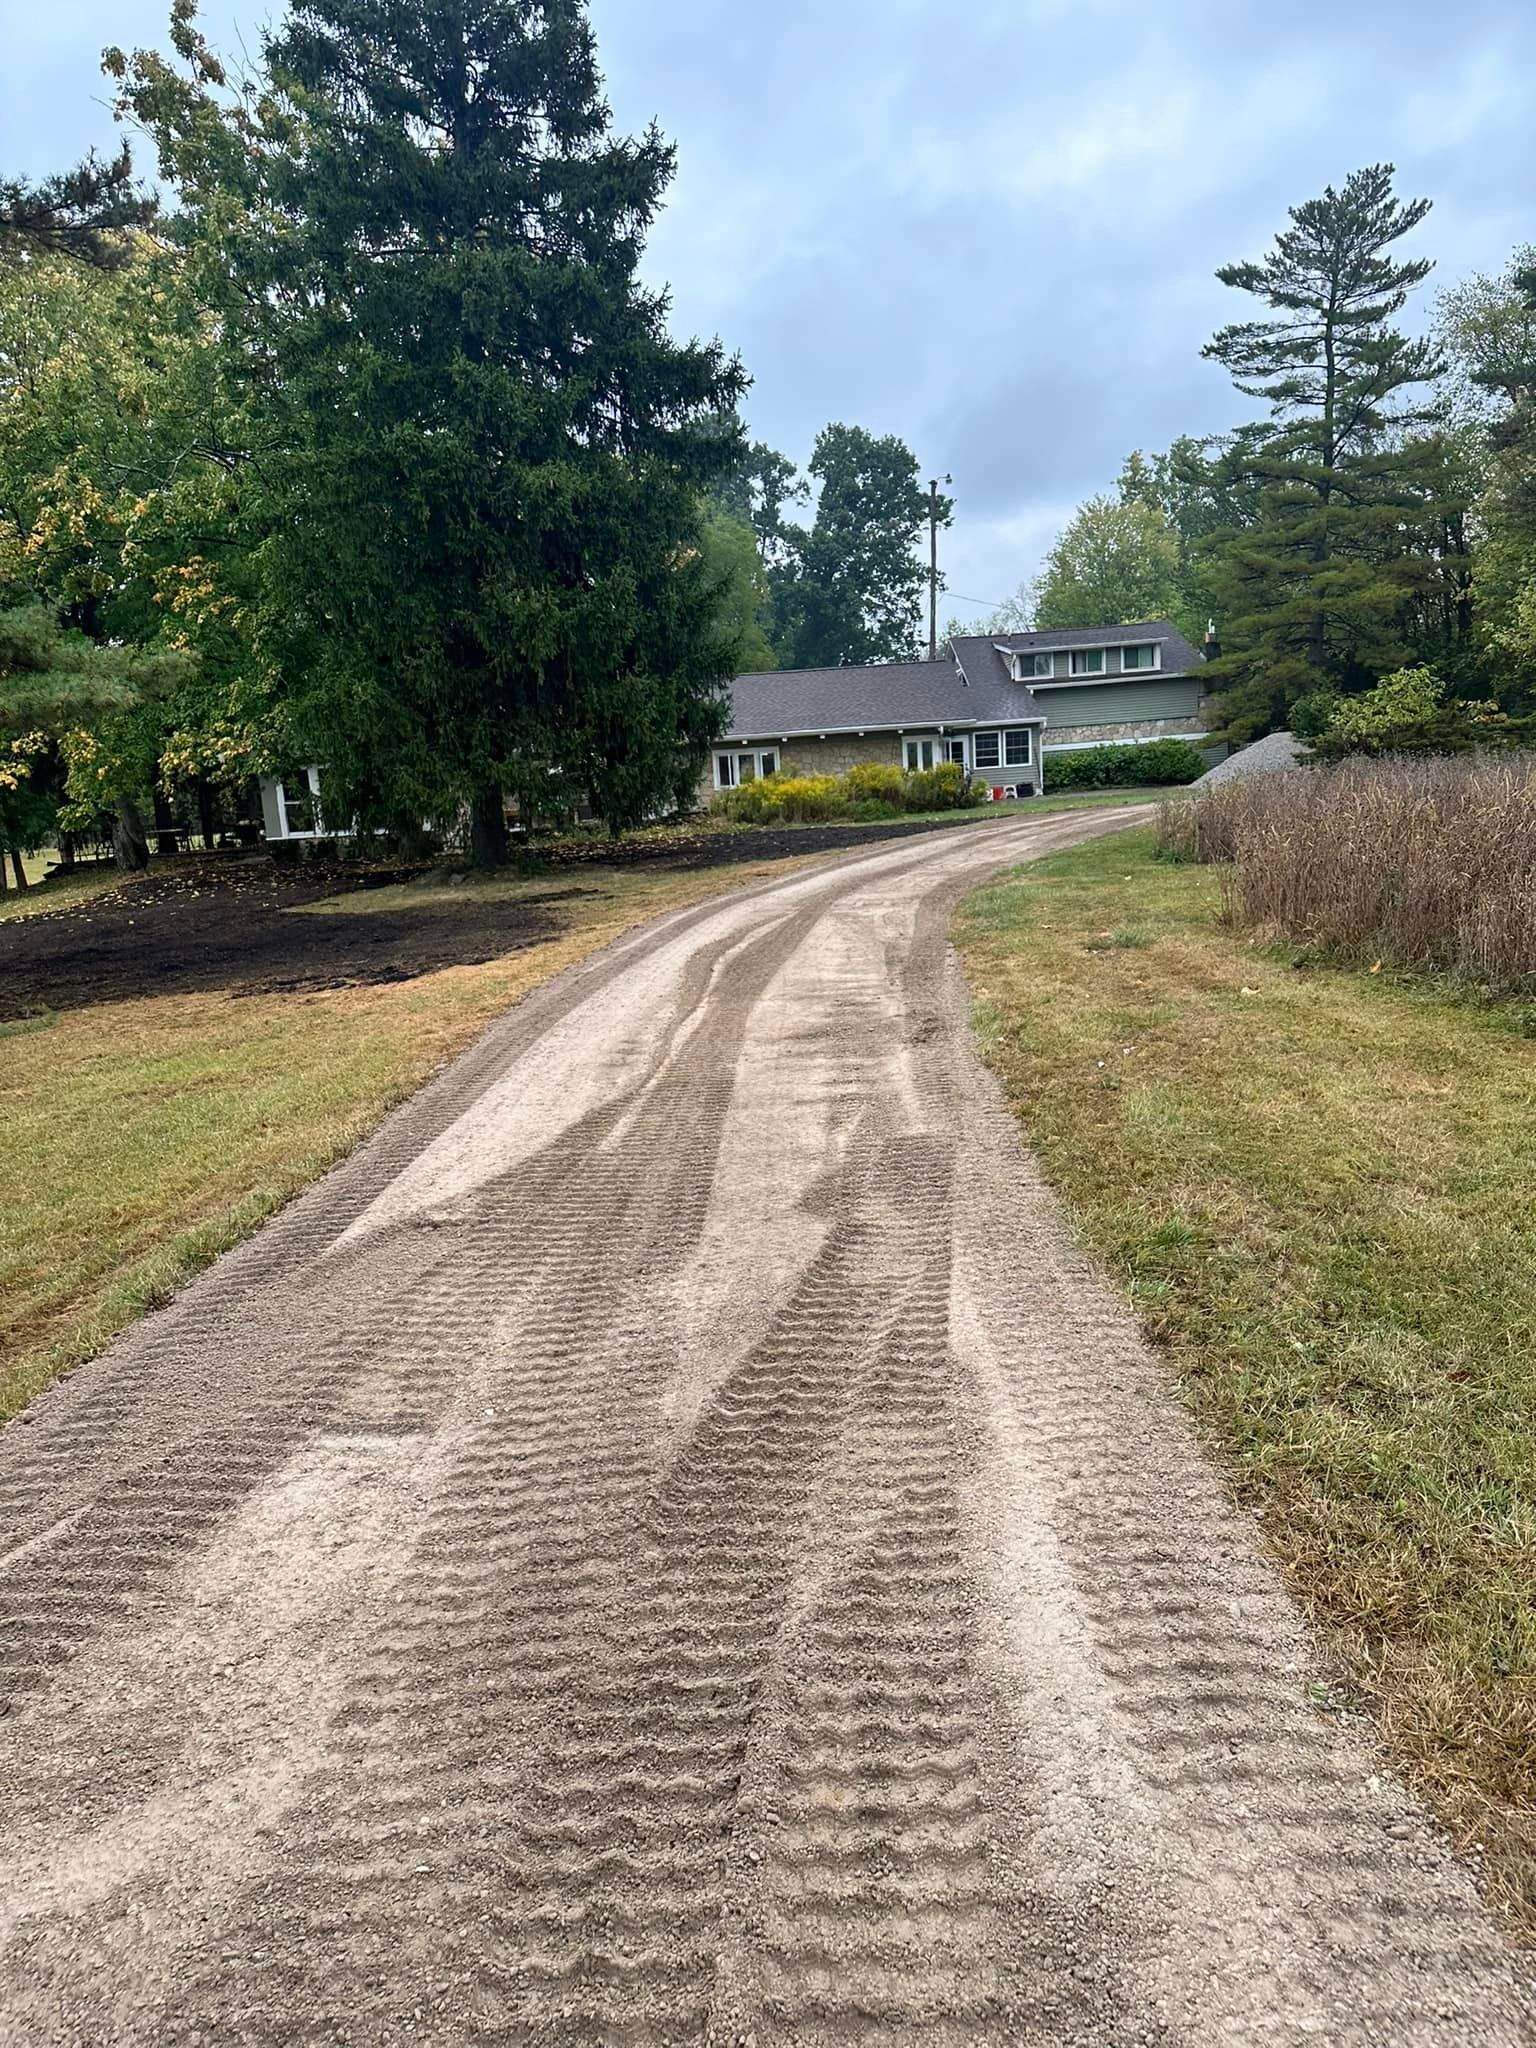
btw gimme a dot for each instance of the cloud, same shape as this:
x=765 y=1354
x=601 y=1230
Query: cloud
x=992 y=230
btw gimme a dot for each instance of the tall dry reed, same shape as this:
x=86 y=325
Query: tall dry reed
x=1426 y=863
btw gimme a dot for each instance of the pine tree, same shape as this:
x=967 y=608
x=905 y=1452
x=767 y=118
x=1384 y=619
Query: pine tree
x=1326 y=588
x=85 y=213
x=487 y=453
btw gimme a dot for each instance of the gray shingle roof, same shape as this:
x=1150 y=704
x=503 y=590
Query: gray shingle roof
x=888 y=695
x=973 y=686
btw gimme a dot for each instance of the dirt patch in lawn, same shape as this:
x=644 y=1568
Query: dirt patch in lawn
x=225 y=926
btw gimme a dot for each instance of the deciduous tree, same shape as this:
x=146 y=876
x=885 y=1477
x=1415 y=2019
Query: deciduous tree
x=853 y=590
x=1115 y=563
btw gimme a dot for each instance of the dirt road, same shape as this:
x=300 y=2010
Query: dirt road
x=671 y=1544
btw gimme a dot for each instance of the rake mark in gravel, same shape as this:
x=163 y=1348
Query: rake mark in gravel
x=672 y=1543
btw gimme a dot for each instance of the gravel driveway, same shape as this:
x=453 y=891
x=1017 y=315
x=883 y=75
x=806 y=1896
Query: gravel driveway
x=673 y=1543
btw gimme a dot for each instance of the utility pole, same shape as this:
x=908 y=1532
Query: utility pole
x=933 y=566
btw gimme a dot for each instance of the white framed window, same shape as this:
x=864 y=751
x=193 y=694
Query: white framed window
x=1087 y=661
x=1133 y=659
x=1016 y=747
x=988 y=750
x=920 y=753
x=299 y=796
x=1031 y=667
x=744 y=764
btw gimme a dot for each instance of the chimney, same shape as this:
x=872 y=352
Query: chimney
x=1212 y=645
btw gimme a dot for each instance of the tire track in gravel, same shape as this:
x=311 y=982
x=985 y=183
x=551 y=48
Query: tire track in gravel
x=603 y=1568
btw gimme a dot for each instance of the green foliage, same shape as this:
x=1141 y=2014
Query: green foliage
x=482 y=452
x=732 y=568
x=86 y=215
x=1489 y=329
x=73 y=719
x=756 y=491
x=872 y=789
x=1355 y=553
x=851 y=590
x=1116 y=564
x=125 y=504
x=944 y=787
x=1408 y=712
x=1158 y=762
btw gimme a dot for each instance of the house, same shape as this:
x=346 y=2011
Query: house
x=1001 y=704
x=998 y=703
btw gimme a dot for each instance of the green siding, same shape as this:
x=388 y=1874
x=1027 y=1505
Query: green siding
x=1120 y=703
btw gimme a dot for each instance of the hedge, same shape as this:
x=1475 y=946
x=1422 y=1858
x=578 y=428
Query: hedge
x=1128 y=767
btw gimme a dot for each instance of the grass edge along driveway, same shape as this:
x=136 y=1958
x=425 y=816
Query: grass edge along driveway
x=1315 y=1187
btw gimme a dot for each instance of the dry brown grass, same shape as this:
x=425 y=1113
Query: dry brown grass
x=1425 y=864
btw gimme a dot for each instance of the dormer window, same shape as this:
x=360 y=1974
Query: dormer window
x=1087 y=661
x=1028 y=667
x=1134 y=658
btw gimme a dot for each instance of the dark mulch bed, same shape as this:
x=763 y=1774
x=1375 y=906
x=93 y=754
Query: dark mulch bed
x=717 y=849
x=220 y=924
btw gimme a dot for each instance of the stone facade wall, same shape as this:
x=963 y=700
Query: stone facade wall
x=832 y=756
x=1123 y=734
x=837 y=754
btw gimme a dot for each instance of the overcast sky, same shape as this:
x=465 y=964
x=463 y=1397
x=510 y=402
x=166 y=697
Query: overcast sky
x=991 y=229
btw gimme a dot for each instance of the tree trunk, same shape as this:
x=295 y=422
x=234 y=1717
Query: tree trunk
x=167 y=832
x=488 y=830
x=130 y=843
x=18 y=868
x=205 y=813
x=66 y=849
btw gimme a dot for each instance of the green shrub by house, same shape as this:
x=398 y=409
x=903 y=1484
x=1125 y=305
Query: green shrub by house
x=1128 y=767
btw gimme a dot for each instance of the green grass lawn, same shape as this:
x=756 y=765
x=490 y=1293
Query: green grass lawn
x=1317 y=1188
x=143 y=1137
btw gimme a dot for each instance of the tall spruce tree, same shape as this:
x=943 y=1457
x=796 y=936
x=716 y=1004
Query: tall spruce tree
x=485 y=454
x=1328 y=586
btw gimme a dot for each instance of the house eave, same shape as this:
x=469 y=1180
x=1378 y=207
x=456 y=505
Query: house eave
x=750 y=737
